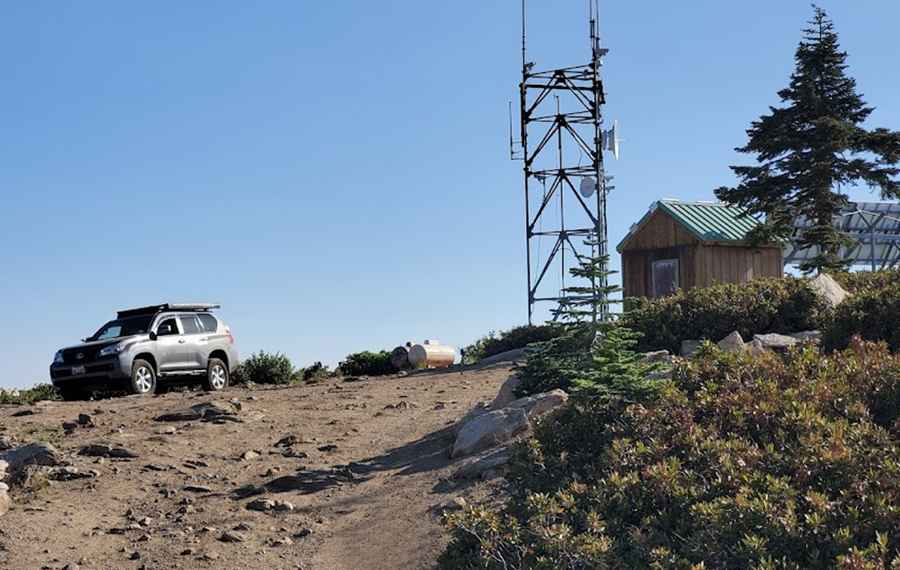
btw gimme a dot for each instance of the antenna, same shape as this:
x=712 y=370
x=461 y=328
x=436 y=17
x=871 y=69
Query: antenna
x=611 y=140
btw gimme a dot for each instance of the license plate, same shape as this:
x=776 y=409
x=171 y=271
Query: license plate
x=77 y=370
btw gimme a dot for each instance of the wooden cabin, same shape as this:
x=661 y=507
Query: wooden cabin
x=680 y=245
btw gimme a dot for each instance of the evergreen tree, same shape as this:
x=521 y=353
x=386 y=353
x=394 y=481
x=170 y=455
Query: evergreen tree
x=588 y=303
x=811 y=147
x=615 y=369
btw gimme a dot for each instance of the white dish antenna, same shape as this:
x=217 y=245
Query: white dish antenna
x=611 y=140
x=588 y=186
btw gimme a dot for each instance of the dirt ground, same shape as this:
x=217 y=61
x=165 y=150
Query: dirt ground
x=367 y=474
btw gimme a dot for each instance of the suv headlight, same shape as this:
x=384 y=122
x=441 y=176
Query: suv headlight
x=58 y=357
x=112 y=349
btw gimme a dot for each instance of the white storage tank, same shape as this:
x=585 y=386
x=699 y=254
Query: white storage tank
x=431 y=354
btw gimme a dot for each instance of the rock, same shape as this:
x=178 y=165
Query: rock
x=506 y=395
x=287 y=441
x=482 y=467
x=814 y=337
x=284 y=506
x=657 y=356
x=284 y=541
x=69 y=427
x=302 y=533
x=775 y=341
x=68 y=474
x=733 y=343
x=539 y=404
x=755 y=347
x=261 y=505
x=229 y=536
x=508 y=356
x=107 y=450
x=6 y=442
x=489 y=429
x=480 y=409
x=85 y=420
x=134 y=555
x=197 y=489
x=327 y=448
x=22 y=413
x=39 y=453
x=828 y=289
x=4 y=499
x=207 y=411
x=690 y=347
x=249 y=455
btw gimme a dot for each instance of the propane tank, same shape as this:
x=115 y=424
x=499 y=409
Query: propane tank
x=431 y=354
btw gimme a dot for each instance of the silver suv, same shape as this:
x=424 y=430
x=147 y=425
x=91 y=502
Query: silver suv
x=146 y=345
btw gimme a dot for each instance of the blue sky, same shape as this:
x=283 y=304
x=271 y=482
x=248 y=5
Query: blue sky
x=336 y=174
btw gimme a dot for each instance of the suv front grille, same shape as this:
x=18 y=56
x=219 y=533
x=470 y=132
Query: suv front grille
x=88 y=354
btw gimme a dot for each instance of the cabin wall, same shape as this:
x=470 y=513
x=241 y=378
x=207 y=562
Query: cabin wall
x=636 y=276
x=736 y=264
x=660 y=231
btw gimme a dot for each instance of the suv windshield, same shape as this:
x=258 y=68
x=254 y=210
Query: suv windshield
x=123 y=327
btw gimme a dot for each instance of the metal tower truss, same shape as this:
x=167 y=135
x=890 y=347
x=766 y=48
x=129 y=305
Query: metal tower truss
x=562 y=143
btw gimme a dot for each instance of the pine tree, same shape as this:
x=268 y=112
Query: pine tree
x=615 y=369
x=812 y=147
x=588 y=303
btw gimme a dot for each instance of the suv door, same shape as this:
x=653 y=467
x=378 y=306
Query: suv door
x=195 y=346
x=170 y=351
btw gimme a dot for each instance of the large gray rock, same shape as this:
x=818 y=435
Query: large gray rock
x=489 y=429
x=508 y=356
x=775 y=341
x=690 y=347
x=506 y=395
x=828 y=289
x=39 y=453
x=656 y=357
x=733 y=343
x=814 y=337
x=485 y=466
x=539 y=404
x=4 y=499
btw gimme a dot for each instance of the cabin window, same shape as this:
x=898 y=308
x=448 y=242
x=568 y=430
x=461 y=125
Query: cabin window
x=664 y=273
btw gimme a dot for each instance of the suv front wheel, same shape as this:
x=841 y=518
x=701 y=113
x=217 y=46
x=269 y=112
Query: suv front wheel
x=143 y=377
x=216 y=375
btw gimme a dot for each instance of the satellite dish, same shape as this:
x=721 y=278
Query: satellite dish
x=611 y=140
x=588 y=186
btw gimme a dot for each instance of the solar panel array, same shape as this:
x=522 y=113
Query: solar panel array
x=874 y=227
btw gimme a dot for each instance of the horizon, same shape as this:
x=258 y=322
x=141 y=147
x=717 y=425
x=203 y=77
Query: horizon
x=338 y=177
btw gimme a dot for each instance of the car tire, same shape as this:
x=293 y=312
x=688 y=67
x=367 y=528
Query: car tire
x=217 y=376
x=72 y=394
x=143 y=378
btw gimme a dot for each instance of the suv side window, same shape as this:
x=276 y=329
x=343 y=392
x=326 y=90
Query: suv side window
x=167 y=327
x=208 y=322
x=190 y=324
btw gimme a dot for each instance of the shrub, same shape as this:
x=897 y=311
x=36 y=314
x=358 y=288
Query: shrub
x=772 y=462
x=760 y=306
x=517 y=337
x=871 y=313
x=313 y=373
x=264 y=368
x=37 y=393
x=867 y=280
x=367 y=364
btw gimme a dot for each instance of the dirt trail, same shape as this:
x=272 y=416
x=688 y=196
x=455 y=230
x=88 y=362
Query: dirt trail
x=365 y=474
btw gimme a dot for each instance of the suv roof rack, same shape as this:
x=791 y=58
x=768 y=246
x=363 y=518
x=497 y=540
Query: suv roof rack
x=153 y=309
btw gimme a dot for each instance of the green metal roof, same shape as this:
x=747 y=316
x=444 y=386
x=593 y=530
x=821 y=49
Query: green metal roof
x=708 y=221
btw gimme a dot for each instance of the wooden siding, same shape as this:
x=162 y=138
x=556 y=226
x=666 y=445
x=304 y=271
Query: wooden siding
x=660 y=231
x=736 y=264
x=636 y=276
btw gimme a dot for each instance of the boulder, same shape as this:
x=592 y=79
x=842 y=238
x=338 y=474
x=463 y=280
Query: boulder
x=207 y=411
x=107 y=450
x=733 y=343
x=690 y=347
x=508 y=356
x=828 y=289
x=814 y=337
x=775 y=341
x=539 y=404
x=656 y=357
x=4 y=499
x=755 y=347
x=506 y=395
x=489 y=429
x=39 y=453
x=484 y=466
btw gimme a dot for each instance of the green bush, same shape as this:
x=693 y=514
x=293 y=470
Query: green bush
x=739 y=462
x=312 y=373
x=264 y=368
x=760 y=306
x=37 y=393
x=867 y=280
x=517 y=337
x=367 y=364
x=872 y=313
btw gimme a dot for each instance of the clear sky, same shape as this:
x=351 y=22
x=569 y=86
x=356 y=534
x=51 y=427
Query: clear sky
x=336 y=174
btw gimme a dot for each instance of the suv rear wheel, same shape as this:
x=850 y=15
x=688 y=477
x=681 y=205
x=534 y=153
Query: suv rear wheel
x=216 y=375
x=143 y=378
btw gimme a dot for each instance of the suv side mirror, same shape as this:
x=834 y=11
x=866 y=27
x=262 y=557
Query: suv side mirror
x=153 y=335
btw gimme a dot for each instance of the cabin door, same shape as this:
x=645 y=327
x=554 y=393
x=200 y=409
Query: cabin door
x=664 y=277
